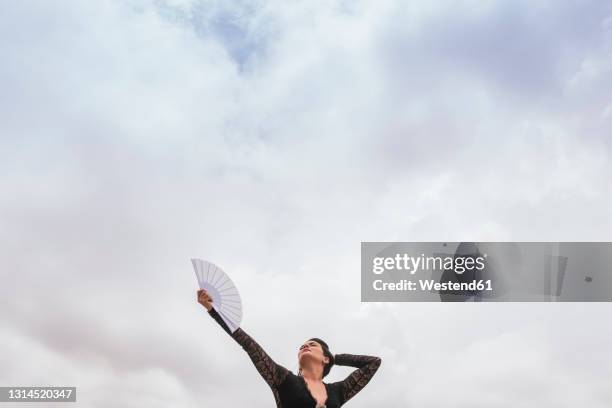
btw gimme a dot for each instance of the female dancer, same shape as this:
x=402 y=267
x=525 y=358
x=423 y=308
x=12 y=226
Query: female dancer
x=307 y=389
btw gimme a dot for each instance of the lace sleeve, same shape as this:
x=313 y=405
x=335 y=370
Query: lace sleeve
x=271 y=372
x=366 y=368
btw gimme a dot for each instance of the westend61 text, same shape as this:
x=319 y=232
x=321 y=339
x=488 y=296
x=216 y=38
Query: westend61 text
x=432 y=285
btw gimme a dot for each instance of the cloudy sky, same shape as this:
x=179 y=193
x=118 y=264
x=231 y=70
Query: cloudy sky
x=273 y=137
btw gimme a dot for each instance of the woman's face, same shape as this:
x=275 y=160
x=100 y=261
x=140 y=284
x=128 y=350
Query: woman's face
x=312 y=349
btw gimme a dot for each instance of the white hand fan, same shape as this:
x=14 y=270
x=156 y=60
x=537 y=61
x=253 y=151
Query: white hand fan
x=226 y=299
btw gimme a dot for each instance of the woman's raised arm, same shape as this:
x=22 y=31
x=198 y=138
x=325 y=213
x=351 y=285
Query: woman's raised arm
x=274 y=374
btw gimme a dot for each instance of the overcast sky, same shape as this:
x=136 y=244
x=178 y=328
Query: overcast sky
x=272 y=138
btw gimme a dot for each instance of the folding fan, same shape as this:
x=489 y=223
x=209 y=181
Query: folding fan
x=225 y=296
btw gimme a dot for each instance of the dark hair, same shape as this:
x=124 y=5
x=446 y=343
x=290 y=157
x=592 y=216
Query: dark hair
x=327 y=354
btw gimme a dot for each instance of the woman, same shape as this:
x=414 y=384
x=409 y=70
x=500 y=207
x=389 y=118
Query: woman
x=307 y=389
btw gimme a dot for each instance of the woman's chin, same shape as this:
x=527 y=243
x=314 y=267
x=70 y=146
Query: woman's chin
x=305 y=356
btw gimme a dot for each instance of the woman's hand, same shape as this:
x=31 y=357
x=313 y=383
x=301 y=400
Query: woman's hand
x=204 y=299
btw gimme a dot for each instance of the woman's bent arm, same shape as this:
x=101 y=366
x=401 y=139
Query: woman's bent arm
x=366 y=368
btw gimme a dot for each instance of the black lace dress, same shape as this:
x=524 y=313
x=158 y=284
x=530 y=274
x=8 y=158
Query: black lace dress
x=290 y=390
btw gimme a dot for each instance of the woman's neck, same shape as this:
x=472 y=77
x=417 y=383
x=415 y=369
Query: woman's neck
x=311 y=373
